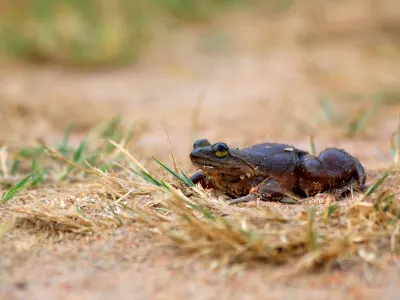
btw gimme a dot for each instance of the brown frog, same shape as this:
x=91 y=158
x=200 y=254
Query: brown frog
x=270 y=171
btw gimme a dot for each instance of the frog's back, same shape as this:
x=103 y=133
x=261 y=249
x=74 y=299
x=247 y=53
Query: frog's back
x=272 y=159
x=266 y=149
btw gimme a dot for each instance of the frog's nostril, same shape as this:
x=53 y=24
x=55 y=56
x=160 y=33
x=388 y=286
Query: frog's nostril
x=194 y=154
x=197 y=153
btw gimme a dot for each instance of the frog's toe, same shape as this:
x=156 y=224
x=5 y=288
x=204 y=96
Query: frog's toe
x=247 y=198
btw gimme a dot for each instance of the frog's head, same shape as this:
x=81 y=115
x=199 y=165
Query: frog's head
x=218 y=158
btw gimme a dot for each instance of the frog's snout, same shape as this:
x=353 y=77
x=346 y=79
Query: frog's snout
x=197 y=153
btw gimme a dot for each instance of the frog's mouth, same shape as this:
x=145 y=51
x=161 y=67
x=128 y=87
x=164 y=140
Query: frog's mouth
x=230 y=165
x=208 y=166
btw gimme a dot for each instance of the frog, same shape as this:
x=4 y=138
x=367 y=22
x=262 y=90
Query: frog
x=273 y=171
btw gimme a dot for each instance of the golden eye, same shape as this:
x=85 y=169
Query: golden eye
x=221 y=153
x=220 y=150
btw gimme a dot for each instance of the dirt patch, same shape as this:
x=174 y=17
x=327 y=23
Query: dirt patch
x=128 y=264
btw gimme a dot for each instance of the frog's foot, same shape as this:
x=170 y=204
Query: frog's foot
x=268 y=190
x=201 y=177
x=342 y=193
x=347 y=190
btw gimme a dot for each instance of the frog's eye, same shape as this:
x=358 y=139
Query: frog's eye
x=220 y=149
x=201 y=143
x=221 y=153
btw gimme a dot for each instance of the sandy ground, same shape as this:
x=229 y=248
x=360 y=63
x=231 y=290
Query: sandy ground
x=235 y=81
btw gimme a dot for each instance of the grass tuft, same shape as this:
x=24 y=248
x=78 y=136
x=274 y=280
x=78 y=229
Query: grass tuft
x=16 y=189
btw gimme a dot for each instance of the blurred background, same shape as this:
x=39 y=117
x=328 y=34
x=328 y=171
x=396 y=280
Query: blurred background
x=239 y=71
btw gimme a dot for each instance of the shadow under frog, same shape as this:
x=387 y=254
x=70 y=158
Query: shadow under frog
x=270 y=171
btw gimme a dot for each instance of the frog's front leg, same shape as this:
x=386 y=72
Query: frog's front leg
x=267 y=190
x=201 y=177
x=333 y=168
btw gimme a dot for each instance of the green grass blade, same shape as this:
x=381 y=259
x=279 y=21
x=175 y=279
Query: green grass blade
x=30 y=152
x=113 y=132
x=374 y=186
x=16 y=189
x=111 y=127
x=15 y=167
x=183 y=179
x=326 y=105
x=187 y=178
x=165 y=185
x=129 y=136
x=93 y=159
x=63 y=147
x=38 y=173
x=77 y=159
x=146 y=176
x=78 y=156
x=360 y=122
x=331 y=209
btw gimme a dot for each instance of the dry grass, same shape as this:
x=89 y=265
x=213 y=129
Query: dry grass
x=92 y=199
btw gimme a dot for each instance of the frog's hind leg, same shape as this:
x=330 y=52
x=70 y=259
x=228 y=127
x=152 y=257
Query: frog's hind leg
x=333 y=168
x=347 y=169
x=359 y=173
